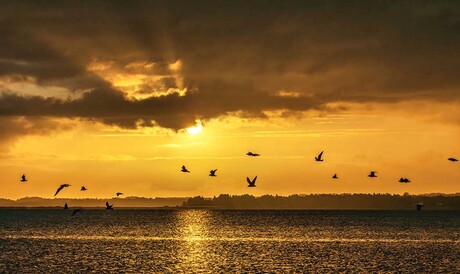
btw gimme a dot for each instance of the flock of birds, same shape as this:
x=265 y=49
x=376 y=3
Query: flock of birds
x=83 y=188
x=319 y=158
x=212 y=173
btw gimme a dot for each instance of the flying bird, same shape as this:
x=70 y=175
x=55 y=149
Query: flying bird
x=372 y=174
x=23 y=178
x=119 y=193
x=76 y=211
x=319 y=157
x=404 y=180
x=66 y=206
x=335 y=176
x=107 y=206
x=251 y=183
x=452 y=160
x=252 y=154
x=61 y=188
x=184 y=169
x=212 y=173
x=83 y=188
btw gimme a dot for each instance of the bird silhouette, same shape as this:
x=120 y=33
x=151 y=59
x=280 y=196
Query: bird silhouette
x=452 y=160
x=184 y=169
x=419 y=206
x=76 y=211
x=335 y=176
x=252 y=154
x=372 y=174
x=119 y=193
x=107 y=206
x=61 y=188
x=404 y=180
x=66 y=206
x=83 y=188
x=319 y=157
x=212 y=173
x=251 y=183
x=23 y=178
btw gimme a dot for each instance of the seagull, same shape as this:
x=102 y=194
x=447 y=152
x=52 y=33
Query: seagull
x=419 y=206
x=119 y=193
x=452 y=160
x=23 y=178
x=252 y=154
x=184 y=169
x=335 y=176
x=372 y=174
x=318 y=158
x=83 y=188
x=61 y=188
x=66 y=206
x=212 y=173
x=107 y=206
x=251 y=183
x=76 y=211
x=404 y=180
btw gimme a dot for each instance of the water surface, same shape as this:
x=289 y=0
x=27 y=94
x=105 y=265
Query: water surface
x=213 y=241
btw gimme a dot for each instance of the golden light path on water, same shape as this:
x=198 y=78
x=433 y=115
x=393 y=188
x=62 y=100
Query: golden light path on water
x=210 y=239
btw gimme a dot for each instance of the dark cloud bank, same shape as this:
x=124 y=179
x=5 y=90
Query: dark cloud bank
x=236 y=55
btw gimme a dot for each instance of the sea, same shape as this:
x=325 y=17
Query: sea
x=228 y=241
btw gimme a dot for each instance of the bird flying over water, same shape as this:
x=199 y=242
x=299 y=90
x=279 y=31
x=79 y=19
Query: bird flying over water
x=83 y=188
x=61 y=188
x=76 y=211
x=119 y=193
x=251 y=183
x=404 y=180
x=66 y=206
x=252 y=154
x=335 y=176
x=372 y=174
x=184 y=169
x=212 y=173
x=23 y=178
x=319 y=157
x=107 y=206
x=453 y=159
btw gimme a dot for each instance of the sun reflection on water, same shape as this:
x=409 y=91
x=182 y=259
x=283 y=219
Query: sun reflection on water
x=193 y=252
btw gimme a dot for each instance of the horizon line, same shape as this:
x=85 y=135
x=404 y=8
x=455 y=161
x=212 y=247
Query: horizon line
x=257 y=196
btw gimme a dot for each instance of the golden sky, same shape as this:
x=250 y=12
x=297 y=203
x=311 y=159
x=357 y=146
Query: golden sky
x=106 y=95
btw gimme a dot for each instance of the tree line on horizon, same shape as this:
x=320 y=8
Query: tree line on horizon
x=328 y=201
x=309 y=201
x=94 y=202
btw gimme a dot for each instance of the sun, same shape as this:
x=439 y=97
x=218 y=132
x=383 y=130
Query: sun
x=195 y=129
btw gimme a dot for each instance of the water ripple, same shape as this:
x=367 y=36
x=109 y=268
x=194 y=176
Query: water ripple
x=228 y=241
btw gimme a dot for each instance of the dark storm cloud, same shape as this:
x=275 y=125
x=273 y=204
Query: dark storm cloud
x=172 y=111
x=236 y=55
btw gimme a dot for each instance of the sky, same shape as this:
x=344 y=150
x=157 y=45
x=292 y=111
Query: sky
x=118 y=95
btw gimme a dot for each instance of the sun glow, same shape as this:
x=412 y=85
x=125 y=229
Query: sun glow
x=195 y=129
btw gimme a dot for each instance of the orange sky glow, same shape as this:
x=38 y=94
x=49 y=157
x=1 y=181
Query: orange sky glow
x=122 y=102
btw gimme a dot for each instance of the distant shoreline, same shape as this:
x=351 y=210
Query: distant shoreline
x=89 y=208
x=222 y=208
x=266 y=202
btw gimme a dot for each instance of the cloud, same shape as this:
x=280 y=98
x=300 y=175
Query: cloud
x=167 y=64
x=12 y=128
x=171 y=111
